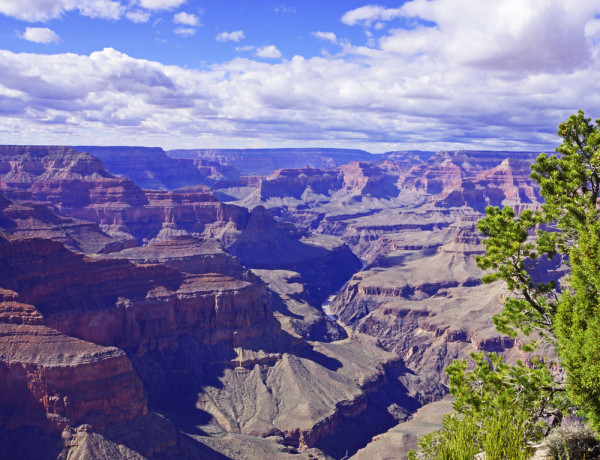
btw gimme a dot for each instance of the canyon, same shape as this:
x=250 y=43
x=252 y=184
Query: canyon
x=293 y=303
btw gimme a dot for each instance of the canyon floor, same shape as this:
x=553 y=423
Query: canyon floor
x=241 y=304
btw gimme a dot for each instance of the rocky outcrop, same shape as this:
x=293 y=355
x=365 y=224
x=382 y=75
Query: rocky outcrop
x=244 y=357
x=135 y=307
x=59 y=361
x=34 y=220
x=79 y=186
x=267 y=244
x=187 y=254
x=64 y=177
x=265 y=161
x=151 y=168
x=49 y=380
x=368 y=179
x=296 y=182
x=180 y=330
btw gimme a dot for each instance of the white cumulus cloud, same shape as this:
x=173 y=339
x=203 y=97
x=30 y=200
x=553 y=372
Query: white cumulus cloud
x=367 y=15
x=43 y=10
x=505 y=34
x=187 y=19
x=485 y=75
x=327 y=36
x=161 y=4
x=40 y=35
x=268 y=52
x=185 y=31
x=234 y=36
x=138 y=16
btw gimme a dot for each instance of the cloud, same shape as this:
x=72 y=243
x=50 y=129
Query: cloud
x=161 y=4
x=462 y=81
x=40 y=35
x=536 y=35
x=138 y=16
x=244 y=48
x=44 y=10
x=105 y=9
x=234 y=36
x=327 y=36
x=367 y=15
x=185 y=31
x=187 y=19
x=268 y=52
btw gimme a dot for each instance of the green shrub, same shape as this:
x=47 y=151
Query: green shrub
x=501 y=437
x=497 y=410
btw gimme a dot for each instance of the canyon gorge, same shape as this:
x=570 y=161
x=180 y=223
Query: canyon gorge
x=244 y=304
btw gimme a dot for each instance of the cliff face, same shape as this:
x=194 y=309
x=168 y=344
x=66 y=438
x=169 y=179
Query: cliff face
x=151 y=168
x=266 y=161
x=135 y=307
x=59 y=361
x=187 y=254
x=295 y=182
x=243 y=361
x=62 y=176
x=78 y=186
x=267 y=244
x=367 y=179
x=203 y=336
x=34 y=220
x=49 y=380
x=412 y=220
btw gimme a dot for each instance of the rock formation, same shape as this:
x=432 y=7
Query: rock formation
x=151 y=168
x=169 y=324
x=266 y=161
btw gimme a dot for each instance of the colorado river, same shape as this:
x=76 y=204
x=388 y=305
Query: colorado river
x=325 y=306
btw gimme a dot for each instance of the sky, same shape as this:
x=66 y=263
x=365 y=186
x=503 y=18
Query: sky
x=390 y=75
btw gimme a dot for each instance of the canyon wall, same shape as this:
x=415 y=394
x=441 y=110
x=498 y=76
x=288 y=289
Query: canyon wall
x=118 y=303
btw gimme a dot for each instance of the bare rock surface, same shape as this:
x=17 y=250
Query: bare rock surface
x=50 y=380
x=412 y=220
x=395 y=443
x=112 y=295
x=151 y=168
x=35 y=220
x=266 y=161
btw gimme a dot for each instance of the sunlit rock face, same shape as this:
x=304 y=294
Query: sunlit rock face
x=118 y=302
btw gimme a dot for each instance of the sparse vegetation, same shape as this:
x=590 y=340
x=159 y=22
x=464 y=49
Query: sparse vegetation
x=571 y=441
x=497 y=410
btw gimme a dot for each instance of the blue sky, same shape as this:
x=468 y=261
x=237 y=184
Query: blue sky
x=288 y=26
x=415 y=74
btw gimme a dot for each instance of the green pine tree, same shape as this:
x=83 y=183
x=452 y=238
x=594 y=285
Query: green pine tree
x=567 y=316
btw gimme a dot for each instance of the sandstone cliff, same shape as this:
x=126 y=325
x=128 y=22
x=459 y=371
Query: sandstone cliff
x=240 y=363
x=151 y=168
x=266 y=161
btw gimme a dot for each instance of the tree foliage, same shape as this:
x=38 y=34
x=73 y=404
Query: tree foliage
x=511 y=253
x=568 y=225
x=519 y=250
x=497 y=407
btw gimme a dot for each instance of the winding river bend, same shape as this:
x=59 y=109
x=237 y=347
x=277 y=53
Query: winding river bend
x=325 y=305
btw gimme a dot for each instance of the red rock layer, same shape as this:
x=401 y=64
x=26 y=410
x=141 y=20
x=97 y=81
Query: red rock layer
x=79 y=186
x=293 y=182
x=34 y=220
x=137 y=307
x=59 y=364
x=187 y=254
x=50 y=380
